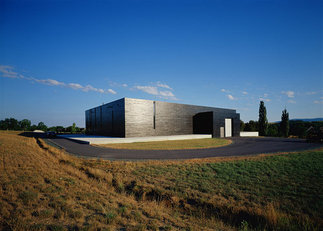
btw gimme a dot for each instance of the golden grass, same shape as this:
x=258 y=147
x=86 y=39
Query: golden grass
x=172 y=144
x=43 y=188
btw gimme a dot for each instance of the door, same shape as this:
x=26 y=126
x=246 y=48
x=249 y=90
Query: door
x=203 y=123
x=228 y=127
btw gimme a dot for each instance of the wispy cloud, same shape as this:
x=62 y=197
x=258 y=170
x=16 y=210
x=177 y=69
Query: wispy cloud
x=8 y=72
x=225 y=90
x=166 y=93
x=148 y=89
x=245 y=93
x=290 y=94
x=318 y=101
x=264 y=99
x=163 y=85
x=291 y=101
x=230 y=97
x=311 y=93
x=153 y=89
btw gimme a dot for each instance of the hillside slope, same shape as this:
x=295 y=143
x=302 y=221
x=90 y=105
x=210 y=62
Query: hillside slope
x=43 y=188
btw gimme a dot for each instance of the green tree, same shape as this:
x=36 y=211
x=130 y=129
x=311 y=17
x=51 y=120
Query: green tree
x=273 y=129
x=9 y=124
x=25 y=124
x=251 y=126
x=263 y=122
x=33 y=127
x=284 y=124
x=73 y=129
x=41 y=126
x=242 y=125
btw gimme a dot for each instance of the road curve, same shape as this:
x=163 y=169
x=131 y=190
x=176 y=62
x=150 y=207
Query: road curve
x=239 y=147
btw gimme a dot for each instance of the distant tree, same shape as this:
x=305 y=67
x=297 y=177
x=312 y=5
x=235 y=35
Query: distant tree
x=251 y=126
x=33 y=127
x=284 y=124
x=273 y=129
x=263 y=122
x=298 y=128
x=9 y=124
x=242 y=125
x=25 y=124
x=41 y=126
x=60 y=129
x=53 y=129
x=4 y=124
x=73 y=128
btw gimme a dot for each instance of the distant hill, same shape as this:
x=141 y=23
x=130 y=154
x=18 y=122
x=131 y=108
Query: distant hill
x=308 y=120
x=305 y=120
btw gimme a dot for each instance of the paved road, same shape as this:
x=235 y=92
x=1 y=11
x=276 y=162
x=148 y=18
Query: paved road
x=239 y=147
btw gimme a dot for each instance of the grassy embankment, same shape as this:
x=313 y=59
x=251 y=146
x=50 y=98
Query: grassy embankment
x=172 y=144
x=44 y=188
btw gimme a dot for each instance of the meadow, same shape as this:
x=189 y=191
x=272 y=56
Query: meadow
x=44 y=188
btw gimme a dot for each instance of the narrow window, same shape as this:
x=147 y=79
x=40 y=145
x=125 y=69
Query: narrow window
x=154 y=115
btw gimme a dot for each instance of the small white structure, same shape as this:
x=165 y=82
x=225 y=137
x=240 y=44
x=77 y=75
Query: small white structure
x=88 y=139
x=249 y=134
x=228 y=127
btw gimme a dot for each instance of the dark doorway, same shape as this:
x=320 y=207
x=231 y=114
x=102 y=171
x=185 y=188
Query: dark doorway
x=203 y=123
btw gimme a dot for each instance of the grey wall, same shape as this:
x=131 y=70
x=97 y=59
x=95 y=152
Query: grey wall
x=107 y=119
x=135 y=118
x=171 y=118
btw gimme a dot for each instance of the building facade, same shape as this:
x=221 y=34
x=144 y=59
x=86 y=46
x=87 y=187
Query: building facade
x=128 y=117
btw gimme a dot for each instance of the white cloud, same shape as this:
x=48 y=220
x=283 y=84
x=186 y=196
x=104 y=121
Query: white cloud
x=154 y=90
x=148 y=89
x=7 y=71
x=224 y=90
x=166 y=93
x=311 y=93
x=291 y=101
x=51 y=82
x=75 y=86
x=124 y=85
x=112 y=91
x=318 y=101
x=263 y=99
x=265 y=95
x=290 y=94
x=245 y=93
x=230 y=97
x=159 y=84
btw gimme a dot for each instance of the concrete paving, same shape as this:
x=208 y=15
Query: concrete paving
x=240 y=147
x=88 y=139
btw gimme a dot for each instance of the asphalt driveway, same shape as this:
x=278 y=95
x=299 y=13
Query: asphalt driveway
x=240 y=146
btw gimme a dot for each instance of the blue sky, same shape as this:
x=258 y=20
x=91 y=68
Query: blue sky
x=59 y=58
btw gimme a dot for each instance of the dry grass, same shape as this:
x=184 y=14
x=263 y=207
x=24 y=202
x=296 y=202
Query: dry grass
x=43 y=188
x=172 y=144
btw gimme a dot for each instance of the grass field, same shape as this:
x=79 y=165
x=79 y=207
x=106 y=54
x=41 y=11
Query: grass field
x=171 y=144
x=43 y=188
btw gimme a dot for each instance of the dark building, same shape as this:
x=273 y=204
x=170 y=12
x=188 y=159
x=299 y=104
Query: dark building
x=128 y=117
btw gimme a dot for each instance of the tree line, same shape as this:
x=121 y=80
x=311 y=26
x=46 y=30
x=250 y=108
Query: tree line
x=284 y=128
x=25 y=125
